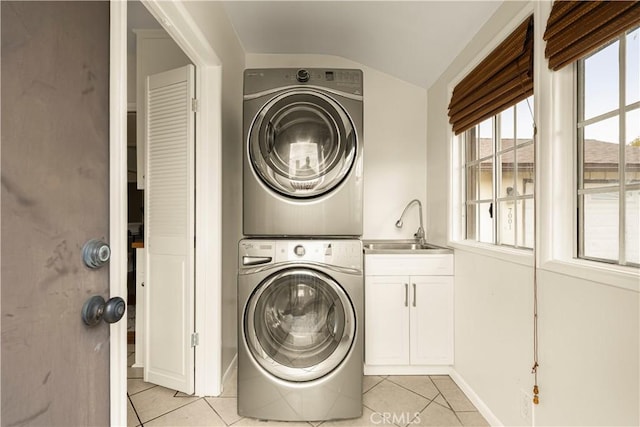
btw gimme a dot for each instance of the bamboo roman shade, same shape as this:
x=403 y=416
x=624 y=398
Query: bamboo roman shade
x=501 y=80
x=575 y=28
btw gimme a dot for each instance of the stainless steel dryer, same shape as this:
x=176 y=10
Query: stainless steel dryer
x=302 y=171
x=300 y=338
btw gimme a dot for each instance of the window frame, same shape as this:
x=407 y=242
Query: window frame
x=556 y=198
x=497 y=151
x=621 y=187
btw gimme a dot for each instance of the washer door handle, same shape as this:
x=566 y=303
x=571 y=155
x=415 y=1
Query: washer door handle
x=256 y=260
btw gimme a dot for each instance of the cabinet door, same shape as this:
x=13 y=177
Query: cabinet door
x=387 y=320
x=431 y=320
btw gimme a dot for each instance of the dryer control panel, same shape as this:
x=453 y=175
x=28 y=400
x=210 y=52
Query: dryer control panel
x=337 y=253
x=340 y=79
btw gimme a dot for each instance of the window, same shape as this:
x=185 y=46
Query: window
x=499 y=178
x=608 y=129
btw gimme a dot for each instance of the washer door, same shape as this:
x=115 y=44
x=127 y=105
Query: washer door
x=299 y=324
x=302 y=144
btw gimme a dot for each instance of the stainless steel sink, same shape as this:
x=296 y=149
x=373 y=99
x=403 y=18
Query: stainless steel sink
x=401 y=246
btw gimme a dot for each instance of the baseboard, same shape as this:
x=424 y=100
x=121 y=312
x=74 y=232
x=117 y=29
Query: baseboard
x=475 y=399
x=407 y=370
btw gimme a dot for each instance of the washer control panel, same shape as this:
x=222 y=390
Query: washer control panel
x=338 y=253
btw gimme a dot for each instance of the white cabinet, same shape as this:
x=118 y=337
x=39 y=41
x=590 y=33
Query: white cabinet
x=386 y=320
x=408 y=314
x=431 y=320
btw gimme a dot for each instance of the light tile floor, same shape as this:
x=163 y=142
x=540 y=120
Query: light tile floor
x=388 y=401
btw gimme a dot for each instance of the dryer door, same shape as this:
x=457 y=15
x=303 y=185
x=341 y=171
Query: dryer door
x=302 y=144
x=299 y=324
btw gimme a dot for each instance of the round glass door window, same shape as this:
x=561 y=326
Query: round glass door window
x=299 y=324
x=302 y=144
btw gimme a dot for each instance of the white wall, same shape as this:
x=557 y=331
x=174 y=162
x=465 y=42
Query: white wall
x=493 y=331
x=588 y=331
x=212 y=20
x=588 y=353
x=394 y=142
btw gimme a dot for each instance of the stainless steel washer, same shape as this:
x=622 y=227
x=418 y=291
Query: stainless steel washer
x=300 y=348
x=302 y=171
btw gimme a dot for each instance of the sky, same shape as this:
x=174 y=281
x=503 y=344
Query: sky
x=602 y=93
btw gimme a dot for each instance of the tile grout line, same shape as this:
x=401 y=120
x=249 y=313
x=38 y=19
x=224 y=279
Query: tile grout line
x=429 y=400
x=141 y=391
x=420 y=412
x=455 y=413
x=413 y=391
x=382 y=378
x=218 y=414
x=135 y=411
x=175 y=409
x=387 y=378
x=448 y=404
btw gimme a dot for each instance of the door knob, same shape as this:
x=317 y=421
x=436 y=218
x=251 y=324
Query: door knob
x=95 y=253
x=96 y=309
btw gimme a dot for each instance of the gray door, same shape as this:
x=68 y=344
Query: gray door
x=55 y=183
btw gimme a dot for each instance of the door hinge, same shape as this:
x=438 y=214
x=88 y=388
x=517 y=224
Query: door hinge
x=194 y=105
x=195 y=339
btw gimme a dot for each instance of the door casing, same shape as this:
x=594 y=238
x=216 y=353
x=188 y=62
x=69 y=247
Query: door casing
x=208 y=255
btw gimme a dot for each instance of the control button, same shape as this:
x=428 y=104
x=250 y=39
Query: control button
x=299 y=250
x=303 y=76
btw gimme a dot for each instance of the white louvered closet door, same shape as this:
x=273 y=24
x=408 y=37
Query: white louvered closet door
x=169 y=230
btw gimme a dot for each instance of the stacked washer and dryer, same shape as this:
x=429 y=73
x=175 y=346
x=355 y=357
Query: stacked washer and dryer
x=300 y=277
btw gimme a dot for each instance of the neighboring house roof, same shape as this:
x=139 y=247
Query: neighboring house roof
x=600 y=155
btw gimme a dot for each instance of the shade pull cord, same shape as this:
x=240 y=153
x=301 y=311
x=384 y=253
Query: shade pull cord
x=534 y=369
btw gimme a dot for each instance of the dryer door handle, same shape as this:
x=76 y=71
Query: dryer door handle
x=256 y=260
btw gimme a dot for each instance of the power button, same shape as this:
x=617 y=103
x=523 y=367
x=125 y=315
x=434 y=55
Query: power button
x=299 y=250
x=303 y=76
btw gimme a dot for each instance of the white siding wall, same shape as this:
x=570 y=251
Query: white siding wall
x=589 y=334
x=394 y=142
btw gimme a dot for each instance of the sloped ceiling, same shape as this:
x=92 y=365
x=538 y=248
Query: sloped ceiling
x=412 y=40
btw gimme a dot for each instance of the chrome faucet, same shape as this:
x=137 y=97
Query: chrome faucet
x=420 y=233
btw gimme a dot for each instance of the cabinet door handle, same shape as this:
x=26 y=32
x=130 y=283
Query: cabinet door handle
x=406 y=295
x=414 y=294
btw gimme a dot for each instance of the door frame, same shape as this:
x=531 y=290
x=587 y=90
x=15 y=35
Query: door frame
x=177 y=21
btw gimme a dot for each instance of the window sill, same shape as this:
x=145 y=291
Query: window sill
x=515 y=256
x=605 y=274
